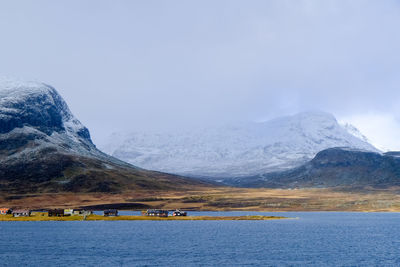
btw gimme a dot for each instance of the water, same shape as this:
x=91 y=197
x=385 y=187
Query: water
x=314 y=239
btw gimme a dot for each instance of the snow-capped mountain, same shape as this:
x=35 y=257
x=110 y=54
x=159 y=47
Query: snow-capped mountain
x=44 y=148
x=32 y=107
x=237 y=150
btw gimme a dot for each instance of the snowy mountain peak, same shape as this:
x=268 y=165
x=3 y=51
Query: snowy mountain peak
x=236 y=150
x=7 y=84
x=310 y=116
x=36 y=105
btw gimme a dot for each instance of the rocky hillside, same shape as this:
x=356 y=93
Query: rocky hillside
x=44 y=148
x=239 y=150
x=335 y=167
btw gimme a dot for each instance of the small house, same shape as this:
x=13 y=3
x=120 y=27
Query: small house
x=179 y=213
x=82 y=212
x=68 y=212
x=21 y=213
x=157 y=213
x=56 y=213
x=4 y=211
x=111 y=212
x=39 y=212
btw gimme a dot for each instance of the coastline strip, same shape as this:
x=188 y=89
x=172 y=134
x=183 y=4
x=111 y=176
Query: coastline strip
x=6 y=218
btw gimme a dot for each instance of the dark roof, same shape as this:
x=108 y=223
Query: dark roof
x=112 y=211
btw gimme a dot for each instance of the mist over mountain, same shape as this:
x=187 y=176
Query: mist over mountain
x=237 y=150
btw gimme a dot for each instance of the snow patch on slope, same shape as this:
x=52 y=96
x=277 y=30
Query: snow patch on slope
x=354 y=131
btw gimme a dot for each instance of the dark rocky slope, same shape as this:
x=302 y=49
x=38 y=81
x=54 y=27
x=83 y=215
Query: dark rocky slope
x=336 y=167
x=44 y=148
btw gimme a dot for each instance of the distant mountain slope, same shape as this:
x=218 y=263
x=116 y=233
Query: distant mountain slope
x=237 y=150
x=335 y=167
x=354 y=131
x=44 y=148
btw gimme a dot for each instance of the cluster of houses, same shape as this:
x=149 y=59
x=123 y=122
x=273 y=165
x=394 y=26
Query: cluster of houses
x=82 y=212
x=15 y=213
x=50 y=212
x=163 y=213
x=68 y=212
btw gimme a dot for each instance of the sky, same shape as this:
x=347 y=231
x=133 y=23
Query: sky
x=153 y=65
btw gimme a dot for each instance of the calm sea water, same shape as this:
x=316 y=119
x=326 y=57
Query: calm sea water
x=314 y=239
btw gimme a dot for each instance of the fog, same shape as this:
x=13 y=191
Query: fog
x=153 y=65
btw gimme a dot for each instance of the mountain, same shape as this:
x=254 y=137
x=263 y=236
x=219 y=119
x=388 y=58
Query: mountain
x=44 y=148
x=239 y=150
x=335 y=167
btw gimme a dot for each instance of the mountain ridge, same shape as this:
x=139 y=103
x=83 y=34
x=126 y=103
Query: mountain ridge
x=335 y=167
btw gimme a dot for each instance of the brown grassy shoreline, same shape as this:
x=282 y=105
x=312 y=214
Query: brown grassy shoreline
x=8 y=218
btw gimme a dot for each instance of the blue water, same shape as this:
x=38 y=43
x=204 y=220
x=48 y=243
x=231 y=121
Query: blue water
x=314 y=239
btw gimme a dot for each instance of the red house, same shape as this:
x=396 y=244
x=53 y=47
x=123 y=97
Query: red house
x=4 y=211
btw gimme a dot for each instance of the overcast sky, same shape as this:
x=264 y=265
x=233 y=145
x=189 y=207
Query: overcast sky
x=132 y=65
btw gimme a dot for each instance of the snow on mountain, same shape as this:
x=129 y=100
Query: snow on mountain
x=236 y=150
x=16 y=96
x=33 y=108
x=354 y=131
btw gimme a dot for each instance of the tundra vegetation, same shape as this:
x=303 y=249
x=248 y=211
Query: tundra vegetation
x=218 y=199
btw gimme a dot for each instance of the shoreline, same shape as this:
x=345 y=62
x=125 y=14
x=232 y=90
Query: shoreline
x=8 y=218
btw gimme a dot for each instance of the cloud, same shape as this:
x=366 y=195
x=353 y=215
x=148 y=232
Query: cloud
x=382 y=130
x=138 y=65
